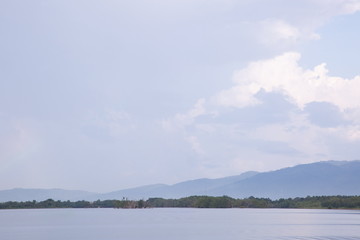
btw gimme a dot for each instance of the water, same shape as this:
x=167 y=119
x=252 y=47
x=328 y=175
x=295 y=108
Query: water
x=175 y=223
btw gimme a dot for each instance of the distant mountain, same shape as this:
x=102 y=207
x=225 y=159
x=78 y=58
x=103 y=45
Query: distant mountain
x=20 y=194
x=315 y=179
x=193 y=187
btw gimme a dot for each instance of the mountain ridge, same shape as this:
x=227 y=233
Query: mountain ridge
x=312 y=179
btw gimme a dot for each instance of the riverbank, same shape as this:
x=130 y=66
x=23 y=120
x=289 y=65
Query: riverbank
x=313 y=202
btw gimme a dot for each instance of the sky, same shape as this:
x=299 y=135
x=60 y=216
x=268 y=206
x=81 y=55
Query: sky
x=112 y=94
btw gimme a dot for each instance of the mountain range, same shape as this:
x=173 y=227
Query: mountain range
x=314 y=179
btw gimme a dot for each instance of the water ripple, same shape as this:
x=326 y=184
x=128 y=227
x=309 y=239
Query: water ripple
x=319 y=238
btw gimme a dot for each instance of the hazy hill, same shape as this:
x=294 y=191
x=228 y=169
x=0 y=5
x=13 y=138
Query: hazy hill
x=20 y=194
x=321 y=178
x=193 y=187
x=315 y=179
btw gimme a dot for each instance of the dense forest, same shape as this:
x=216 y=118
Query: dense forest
x=318 y=202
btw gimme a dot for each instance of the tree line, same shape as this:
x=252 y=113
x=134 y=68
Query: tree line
x=315 y=202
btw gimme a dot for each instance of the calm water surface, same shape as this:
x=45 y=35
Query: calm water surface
x=175 y=223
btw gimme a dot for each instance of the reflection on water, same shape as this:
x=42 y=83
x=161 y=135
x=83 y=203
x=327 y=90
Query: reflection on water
x=159 y=224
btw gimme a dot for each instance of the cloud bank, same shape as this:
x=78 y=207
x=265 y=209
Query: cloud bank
x=283 y=74
x=305 y=115
x=113 y=94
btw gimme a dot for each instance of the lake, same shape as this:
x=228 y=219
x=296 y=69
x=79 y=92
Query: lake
x=176 y=223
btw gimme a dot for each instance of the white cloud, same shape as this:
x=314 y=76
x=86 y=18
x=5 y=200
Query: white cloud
x=353 y=133
x=245 y=147
x=337 y=7
x=183 y=119
x=195 y=144
x=301 y=25
x=275 y=30
x=346 y=6
x=280 y=33
x=283 y=74
x=238 y=96
x=298 y=133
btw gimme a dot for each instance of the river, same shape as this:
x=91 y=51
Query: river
x=179 y=224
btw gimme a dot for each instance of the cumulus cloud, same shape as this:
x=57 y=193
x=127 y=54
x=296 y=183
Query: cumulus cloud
x=327 y=107
x=284 y=75
x=318 y=107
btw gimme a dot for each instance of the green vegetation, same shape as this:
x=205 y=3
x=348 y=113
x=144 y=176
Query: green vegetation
x=318 y=202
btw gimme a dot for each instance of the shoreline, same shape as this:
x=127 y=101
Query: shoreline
x=314 y=202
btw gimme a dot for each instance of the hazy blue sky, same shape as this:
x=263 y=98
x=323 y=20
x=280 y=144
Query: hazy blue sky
x=110 y=94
